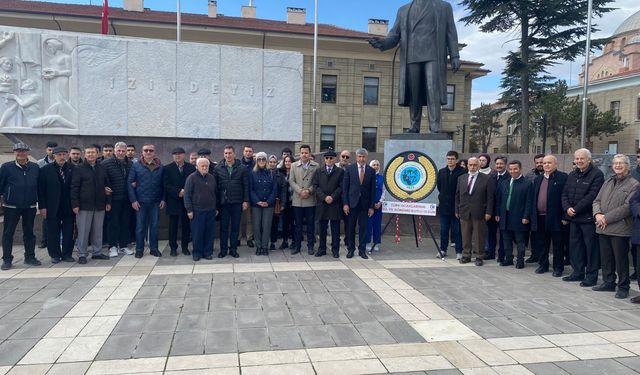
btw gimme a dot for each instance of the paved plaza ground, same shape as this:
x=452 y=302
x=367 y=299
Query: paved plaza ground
x=402 y=311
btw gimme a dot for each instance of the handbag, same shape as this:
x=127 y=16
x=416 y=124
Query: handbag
x=277 y=208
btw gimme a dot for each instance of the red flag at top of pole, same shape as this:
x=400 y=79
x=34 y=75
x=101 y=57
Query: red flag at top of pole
x=105 y=17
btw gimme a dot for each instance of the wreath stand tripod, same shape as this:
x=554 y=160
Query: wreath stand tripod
x=415 y=231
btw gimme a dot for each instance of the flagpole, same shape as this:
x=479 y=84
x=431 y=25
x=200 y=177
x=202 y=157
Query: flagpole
x=585 y=88
x=178 y=21
x=315 y=68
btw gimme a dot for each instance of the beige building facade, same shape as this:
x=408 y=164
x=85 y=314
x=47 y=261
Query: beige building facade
x=356 y=89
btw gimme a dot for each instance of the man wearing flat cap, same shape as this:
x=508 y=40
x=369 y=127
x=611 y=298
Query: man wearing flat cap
x=175 y=175
x=19 y=189
x=54 y=201
x=328 y=189
x=206 y=153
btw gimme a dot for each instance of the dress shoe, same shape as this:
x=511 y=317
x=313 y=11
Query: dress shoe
x=82 y=260
x=32 y=261
x=100 y=257
x=234 y=253
x=520 y=264
x=489 y=257
x=273 y=246
x=173 y=253
x=567 y=262
x=55 y=260
x=196 y=258
x=208 y=257
x=506 y=263
x=479 y=262
x=336 y=255
x=42 y=245
x=320 y=253
x=186 y=252
x=586 y=284
x=557 y=273
x=464 y=260
x=499 y=260
x=258 y=251
x=572 y=277
x=363 y=254
x=284 y=245
x=222 y=254
x=310 y=251
x=6 y=266
x=542 y=269
x=138 y=254
x=412 y=129
x=155 y=253
x=622 y=293
x=633 y=276
x=604 y=287
x=250 y=243
x=69 y=259
x=350 y=254
x=635 y=299
x=531 y=260
x=295 y=251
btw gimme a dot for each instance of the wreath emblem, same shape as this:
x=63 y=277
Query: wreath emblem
x=410 y=176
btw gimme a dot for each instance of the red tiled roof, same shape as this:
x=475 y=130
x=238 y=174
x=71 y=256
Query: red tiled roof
x=95 y=11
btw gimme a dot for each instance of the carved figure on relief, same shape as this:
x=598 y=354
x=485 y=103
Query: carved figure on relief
x=58 y=74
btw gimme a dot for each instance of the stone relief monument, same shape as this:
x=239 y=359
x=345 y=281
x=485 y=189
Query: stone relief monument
x=426 y=33
x=83 y=84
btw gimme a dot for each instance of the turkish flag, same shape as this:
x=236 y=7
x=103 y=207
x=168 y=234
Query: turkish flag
x=105 y=17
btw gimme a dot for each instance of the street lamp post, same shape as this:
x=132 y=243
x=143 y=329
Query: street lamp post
x=585 y=88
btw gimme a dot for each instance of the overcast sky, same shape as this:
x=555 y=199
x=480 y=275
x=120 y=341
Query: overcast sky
x=354 y=14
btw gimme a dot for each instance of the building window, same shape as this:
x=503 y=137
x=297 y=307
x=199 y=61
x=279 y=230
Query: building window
x=327 y=137
x=329 y=88
x=370 y=139
x=615 y=108
x=451 y=98
x=613 y=148
x=371 y=85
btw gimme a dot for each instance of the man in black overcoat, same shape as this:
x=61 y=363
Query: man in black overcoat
x=328 y=189
x=175 y=174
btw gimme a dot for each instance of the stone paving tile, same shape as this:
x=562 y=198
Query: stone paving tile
x=595 y=367
x=155 y=344
x=545 y=369
x=11 y=351
x=221 y=342
x=188 y=343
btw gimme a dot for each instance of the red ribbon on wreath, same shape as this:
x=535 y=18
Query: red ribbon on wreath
x=397 y=228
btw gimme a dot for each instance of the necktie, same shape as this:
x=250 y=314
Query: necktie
x=509 y=195
x=180 y=168
x=328 y=170
x=470 y=184
x=61 y=174
x=361 y=174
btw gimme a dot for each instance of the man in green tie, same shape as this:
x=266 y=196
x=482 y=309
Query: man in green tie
x=513 y=213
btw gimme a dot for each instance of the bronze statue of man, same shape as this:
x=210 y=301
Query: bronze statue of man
x=427 y=34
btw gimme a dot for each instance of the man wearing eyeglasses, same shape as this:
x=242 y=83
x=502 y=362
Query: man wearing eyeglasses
x=146 y=193
x=343 y=163
x=328 y=188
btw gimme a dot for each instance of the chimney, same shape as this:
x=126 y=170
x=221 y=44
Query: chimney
x=296 y=16
x=133 y=5
x=249 y=11
x=213 y=8
x=378 y=27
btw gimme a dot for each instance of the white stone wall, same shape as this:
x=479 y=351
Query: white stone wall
x=85 y=84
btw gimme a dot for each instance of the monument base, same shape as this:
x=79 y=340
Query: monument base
x=422 y=136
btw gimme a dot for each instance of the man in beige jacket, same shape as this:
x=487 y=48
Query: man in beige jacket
x=304 y=201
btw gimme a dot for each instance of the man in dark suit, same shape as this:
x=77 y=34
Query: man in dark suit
x=426 y=32
x=513 y=213
x=117 y=169
x=358 y=194
x=547 y=215
x=328 y=189
x=474 y=207
x=54 y=200
x=498 y=176
x=175 y=174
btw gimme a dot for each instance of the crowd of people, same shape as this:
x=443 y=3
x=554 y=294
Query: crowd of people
x=583 y=219
x=105 y=196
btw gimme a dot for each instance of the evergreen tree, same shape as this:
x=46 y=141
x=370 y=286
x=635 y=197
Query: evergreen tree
x=484 y=125
x=550 y=31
